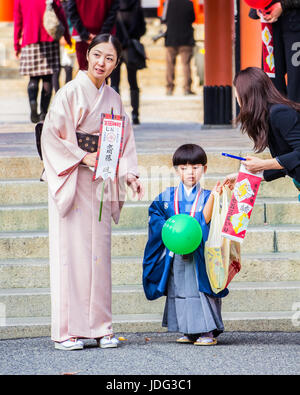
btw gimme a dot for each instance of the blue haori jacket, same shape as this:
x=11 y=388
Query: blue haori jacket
x=157 y=258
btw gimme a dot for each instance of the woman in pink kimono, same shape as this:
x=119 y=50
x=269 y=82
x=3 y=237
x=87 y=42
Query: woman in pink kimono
x=80 y=244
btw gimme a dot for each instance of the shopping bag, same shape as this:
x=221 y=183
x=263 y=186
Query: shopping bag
x=241 y=205
x=51 y=22
x=214 y=262
x=231 y=249
x=222 y=255
x=234 y=260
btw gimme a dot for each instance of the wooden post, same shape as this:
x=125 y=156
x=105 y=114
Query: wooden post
x=250 y=38
x=6 y=10
x=219 y=33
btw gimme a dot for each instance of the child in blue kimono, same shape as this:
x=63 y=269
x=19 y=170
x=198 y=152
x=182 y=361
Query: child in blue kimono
x=191 y=308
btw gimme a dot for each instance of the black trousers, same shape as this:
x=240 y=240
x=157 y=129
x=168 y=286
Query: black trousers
x=286 y=36
x=134 y=89
x=131 y=76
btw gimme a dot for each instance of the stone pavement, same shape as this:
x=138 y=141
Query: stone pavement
x=237 y=353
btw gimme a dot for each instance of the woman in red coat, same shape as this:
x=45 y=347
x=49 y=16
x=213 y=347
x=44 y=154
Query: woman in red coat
x=90 y=18
x=37 y=50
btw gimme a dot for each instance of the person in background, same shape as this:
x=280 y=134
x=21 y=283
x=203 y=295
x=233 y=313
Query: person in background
x=179 y=39
x=90 y=18
x=285 y=18
x=132 y=17
x=271 y=121
x=37 y=50
x=67 y=55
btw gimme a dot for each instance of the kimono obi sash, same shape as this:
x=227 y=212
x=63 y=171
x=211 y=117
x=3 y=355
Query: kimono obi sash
x=87 y=142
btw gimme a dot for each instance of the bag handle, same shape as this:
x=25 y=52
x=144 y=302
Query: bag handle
x=225 y=204
x=49 y=4
x=215 y=224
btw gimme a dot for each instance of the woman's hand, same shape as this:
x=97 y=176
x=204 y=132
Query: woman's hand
x=62 y=41
x=90 y=39
x=273 y=13
x=255 y=165
x=136 y=186
x=230 y=180
x=90 y=159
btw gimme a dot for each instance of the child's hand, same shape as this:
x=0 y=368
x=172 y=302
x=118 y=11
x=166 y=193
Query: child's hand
x=230 y=181
x=218 y=188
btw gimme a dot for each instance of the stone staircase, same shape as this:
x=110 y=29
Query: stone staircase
x=264 y=296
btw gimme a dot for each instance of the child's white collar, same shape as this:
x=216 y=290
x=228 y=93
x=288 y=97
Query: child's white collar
x=189 y=190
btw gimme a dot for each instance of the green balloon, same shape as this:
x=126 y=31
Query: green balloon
x=181 y=234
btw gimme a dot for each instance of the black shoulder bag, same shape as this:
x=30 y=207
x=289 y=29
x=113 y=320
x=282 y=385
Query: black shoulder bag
x=134 y=55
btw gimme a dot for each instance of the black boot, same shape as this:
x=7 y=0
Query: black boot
x=135 y=101
x=45 y=96
x=33 y=114
x=32 y=89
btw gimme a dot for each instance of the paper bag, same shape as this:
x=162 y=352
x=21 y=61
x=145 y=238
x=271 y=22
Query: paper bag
x=222 y=255
x=241 y=205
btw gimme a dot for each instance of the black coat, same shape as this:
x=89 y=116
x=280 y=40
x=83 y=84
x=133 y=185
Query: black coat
x=132 y=16
x=179 y=19
x=284 y=141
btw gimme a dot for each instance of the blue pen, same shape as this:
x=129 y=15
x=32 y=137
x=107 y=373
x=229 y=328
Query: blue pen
x=233 y=156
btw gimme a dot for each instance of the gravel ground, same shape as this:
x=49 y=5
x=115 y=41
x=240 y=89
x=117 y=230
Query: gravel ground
x=237 y=353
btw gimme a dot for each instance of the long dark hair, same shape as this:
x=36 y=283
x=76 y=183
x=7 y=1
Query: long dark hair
x=256 y=93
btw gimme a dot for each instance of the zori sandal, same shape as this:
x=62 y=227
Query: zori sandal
x=205 y=341
x=184 y=339
x=69 y=345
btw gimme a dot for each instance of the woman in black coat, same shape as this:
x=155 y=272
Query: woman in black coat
x=131 y=16
x=271 y=121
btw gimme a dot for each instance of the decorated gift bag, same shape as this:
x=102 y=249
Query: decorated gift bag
x=222 y=255
x=231 y=249
x=241 y=205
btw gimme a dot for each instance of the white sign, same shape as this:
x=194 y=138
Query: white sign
x=110 y=143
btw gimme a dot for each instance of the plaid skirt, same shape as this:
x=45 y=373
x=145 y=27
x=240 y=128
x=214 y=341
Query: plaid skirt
x=40 y=58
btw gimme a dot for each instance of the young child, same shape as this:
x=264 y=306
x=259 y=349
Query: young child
x=191 y=306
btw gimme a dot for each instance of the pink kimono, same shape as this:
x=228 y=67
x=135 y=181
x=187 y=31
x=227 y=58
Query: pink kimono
x=80 y=245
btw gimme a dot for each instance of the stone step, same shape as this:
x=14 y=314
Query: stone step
x=23 y=191
x=20 y=167
x=135 y=215
x=281 y=238
x=286 y=321
x=150 y=164
x=130 y=299
x=155 y=185
x=34 y=273
x=27 y=191
x=24 y=218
